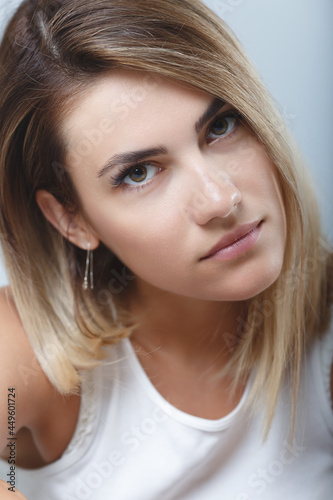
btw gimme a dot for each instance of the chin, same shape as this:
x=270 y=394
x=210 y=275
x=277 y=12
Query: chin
x=255 y=283
x=249 y=283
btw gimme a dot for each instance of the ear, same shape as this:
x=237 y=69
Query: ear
x=74 y=228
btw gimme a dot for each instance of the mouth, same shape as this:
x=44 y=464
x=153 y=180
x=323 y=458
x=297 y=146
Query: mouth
x=236 y=242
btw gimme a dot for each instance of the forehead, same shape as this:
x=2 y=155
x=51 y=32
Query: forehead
x=127 y=98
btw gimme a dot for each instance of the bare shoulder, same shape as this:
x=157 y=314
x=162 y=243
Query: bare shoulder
x=21 y=377
x=7 y=494
x=44 y=419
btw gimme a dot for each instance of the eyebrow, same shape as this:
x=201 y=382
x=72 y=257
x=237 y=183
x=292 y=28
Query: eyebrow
x=132 y=157
x=211 y=111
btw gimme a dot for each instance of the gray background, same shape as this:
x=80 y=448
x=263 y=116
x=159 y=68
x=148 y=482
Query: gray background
x=291 y=44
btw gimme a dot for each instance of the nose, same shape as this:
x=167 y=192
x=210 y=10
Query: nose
x=213 y=195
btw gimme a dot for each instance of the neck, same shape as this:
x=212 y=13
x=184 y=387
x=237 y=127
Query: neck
x=186 y=327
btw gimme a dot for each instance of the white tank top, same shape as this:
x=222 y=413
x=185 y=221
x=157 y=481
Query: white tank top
x=131 y=444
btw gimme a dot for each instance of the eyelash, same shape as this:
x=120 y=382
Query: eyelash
x=227 y=114
x=118 y=180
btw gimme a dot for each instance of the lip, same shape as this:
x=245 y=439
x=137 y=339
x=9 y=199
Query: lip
x=236 y=242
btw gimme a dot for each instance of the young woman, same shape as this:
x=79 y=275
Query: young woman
x=166 y=333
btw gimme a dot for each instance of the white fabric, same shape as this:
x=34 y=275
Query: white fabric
x=131 y=444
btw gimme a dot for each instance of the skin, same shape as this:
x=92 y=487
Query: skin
x=44 y=419
x=202 y=192
x=9 y=495
x=204 y=187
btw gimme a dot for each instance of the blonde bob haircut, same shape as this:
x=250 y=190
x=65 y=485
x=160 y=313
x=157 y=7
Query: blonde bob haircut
x=52 y=51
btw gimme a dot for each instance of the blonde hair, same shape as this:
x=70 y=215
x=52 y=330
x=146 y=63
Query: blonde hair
x=52 y=51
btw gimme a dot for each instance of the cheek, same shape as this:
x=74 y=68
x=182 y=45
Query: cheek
x=139 y=238
x=259 y=180
x=262 y=192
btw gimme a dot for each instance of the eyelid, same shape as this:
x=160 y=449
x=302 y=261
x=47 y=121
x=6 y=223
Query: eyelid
x=124 y=170
x=226 y=113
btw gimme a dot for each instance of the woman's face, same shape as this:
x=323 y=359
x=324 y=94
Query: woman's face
x=174 y=184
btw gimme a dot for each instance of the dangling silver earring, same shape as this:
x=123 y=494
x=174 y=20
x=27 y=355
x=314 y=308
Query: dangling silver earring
x=89 y=265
